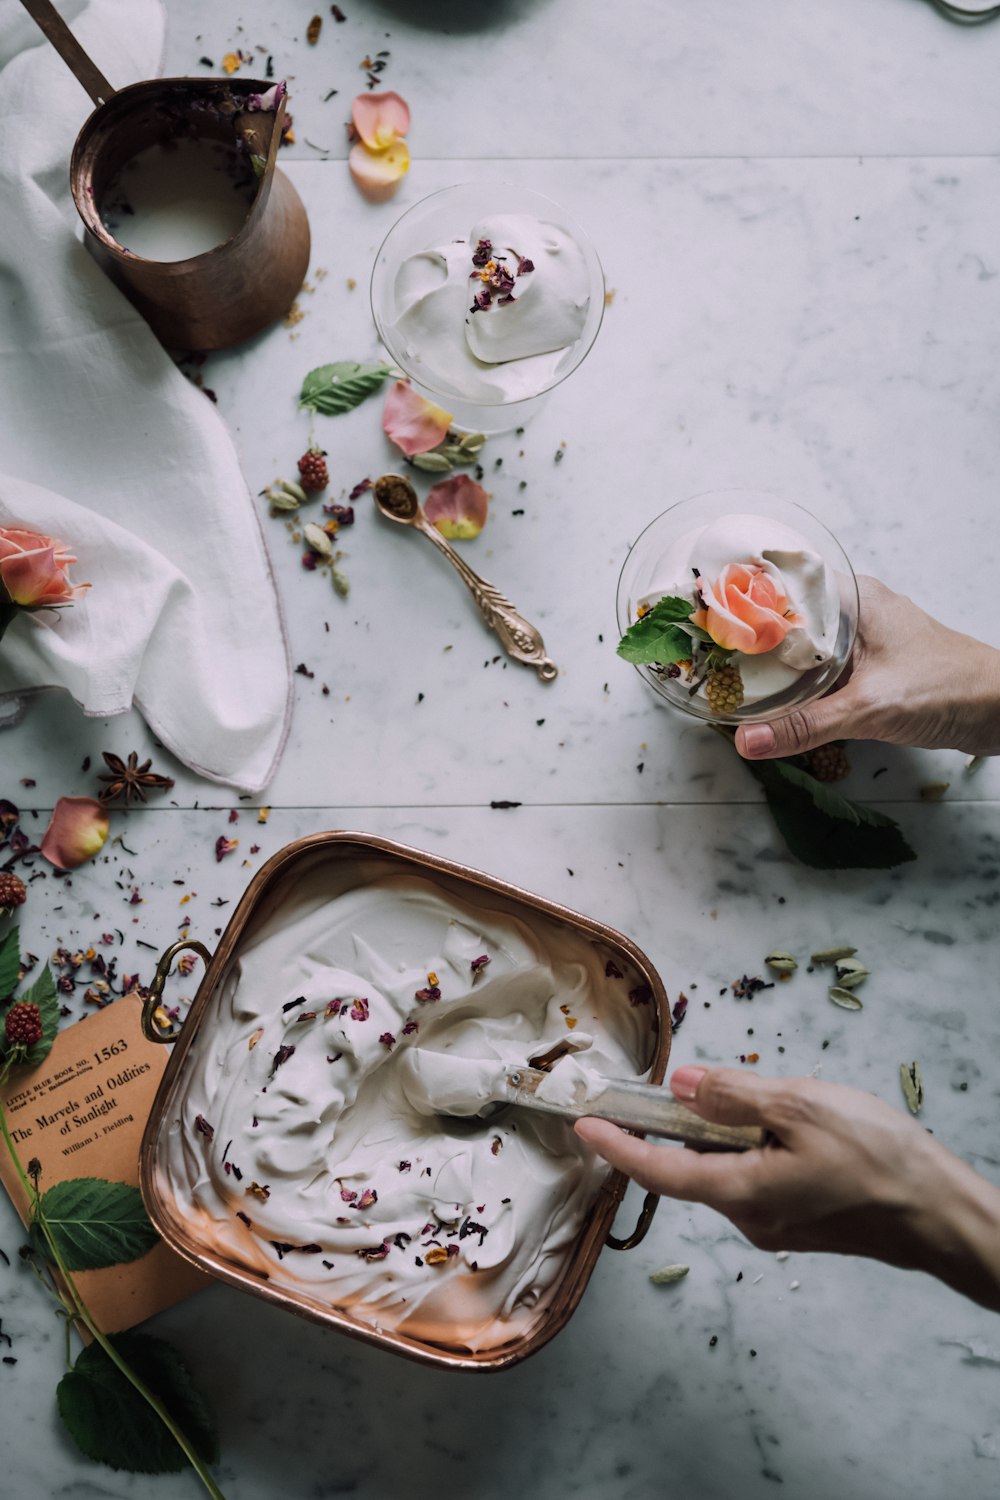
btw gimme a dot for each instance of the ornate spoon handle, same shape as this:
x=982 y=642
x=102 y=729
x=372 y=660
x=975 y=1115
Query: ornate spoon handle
x=520 y=640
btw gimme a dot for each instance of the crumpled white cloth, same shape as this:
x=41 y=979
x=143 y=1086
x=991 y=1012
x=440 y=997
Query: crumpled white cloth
x=104 y=444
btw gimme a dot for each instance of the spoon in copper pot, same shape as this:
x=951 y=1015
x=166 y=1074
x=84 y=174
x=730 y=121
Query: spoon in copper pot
x=397 y=500
x=464 y=1097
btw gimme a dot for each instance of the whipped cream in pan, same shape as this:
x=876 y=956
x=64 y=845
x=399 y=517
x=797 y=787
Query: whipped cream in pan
x=508 y=350
x=808 y=581
x=304 y=1139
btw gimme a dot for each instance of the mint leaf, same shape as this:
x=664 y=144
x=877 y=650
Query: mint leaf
x=10 y=962
x=110 y=1422
x=658 y=637
x=333 y=389
x=824 y=829
x=95 y=1223
x=43 y=994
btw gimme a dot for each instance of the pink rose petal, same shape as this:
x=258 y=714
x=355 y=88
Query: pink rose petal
x=379 y=173
x=77 y=831
x=458 y=507
x=380 y=119
x=413 y=424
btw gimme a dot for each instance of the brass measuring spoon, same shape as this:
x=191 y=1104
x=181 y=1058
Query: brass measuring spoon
x=397 y=500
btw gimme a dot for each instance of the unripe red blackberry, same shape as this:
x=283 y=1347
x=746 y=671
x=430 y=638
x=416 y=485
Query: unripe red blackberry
x=829 y=762
x=724 y=689
x=313 y=471
x=23 y=1024
x=12 y=893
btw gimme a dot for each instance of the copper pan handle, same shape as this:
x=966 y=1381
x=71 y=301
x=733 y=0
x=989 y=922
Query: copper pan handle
x=44 y=13
x=151 y=1004
x=649 y=1206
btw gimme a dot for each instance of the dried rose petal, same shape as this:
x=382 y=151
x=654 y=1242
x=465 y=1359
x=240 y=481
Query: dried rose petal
x=413 y=424
x=378 y=173
x=368 y=1197
x=224 y=846
x=641 y=995
x=255 y=1038
x=375 y=1252
x=457 y=506
x=380 y=119
x=359 y=1010
x=76 y=832
x=410 y=1028
x=347 y=1194
x=436 y=1256
x=479 y=963
x=433 y=993
x=203 y=1127
x=388 y=1040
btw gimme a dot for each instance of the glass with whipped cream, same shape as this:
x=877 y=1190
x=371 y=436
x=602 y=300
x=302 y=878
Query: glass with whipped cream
x=737 y=607
x=487 y=296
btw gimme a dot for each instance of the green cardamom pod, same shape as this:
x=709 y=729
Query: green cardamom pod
x=668 y=1274
x=850 y=973
x=845 y=999
x=317 y=540
x=782 y=963
x=831 y=955
x=912 y=1085
x=432 y=463
x=341 y=582
x=281 y=502
x=291 y=487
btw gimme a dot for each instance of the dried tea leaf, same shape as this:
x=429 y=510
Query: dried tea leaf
x=912 y=1085
x=845 y=999
x=667 y=1274
x=832 y=955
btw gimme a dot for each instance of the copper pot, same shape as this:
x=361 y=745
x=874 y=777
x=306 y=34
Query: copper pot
x=261 y=897
x=232 y=291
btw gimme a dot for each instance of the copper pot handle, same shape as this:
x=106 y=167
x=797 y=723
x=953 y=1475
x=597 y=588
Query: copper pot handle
x=649 y=1207
x=150 y=1005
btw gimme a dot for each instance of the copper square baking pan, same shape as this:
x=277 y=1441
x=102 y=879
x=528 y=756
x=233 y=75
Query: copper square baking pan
x=262 y=898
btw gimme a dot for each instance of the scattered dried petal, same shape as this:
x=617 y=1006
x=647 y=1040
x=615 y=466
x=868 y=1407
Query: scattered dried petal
x=224 y=846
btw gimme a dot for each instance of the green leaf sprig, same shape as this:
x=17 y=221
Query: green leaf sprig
x=659 y=637
x=129 y=1400
x=334 y=389
x=824 y=829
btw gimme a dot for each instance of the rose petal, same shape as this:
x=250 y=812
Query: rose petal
x=379 y=173
x=412 y=423
x=380 y=119
x=458 y=507
x=77 y=831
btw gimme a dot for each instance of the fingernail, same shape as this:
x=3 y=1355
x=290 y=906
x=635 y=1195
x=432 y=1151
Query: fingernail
x=759 y=739
x=684 y=1082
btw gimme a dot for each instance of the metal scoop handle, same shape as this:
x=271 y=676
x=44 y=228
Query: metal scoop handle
x=637 y=1106
x=45 y=15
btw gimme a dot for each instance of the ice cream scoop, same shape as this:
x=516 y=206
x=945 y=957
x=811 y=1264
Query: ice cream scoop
x=454 y=1087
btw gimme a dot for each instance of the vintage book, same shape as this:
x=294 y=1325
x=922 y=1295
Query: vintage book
x=82 y=1113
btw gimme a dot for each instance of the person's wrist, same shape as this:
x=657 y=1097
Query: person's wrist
x=983 y=722
x=958 y=1228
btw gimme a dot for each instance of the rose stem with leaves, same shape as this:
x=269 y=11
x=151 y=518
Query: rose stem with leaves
x=78 y=1312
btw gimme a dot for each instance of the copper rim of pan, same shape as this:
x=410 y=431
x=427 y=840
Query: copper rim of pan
x=596 y=1231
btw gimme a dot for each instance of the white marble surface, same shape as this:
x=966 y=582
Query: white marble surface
x=793 y=209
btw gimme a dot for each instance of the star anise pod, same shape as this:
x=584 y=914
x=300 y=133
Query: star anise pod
x=125 y=778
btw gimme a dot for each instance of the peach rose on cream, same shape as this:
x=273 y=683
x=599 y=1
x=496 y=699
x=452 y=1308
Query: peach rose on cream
x=33 y=570
x=746 y=609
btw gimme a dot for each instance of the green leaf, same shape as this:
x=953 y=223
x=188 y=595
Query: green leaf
x=110 y=1422
x=658 y=636
x=43 y=994
x=10 y=962
x=95 y=1223
x=336 y=388
x=824 y=829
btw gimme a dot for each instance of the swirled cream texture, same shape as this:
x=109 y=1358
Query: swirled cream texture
x=302 y=1141
x=808 y=582
x=504 y=350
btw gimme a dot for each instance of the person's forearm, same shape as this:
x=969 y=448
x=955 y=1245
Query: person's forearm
x=962 y=1235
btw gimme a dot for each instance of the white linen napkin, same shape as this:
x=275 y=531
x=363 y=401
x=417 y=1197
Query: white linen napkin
x=104 y=444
